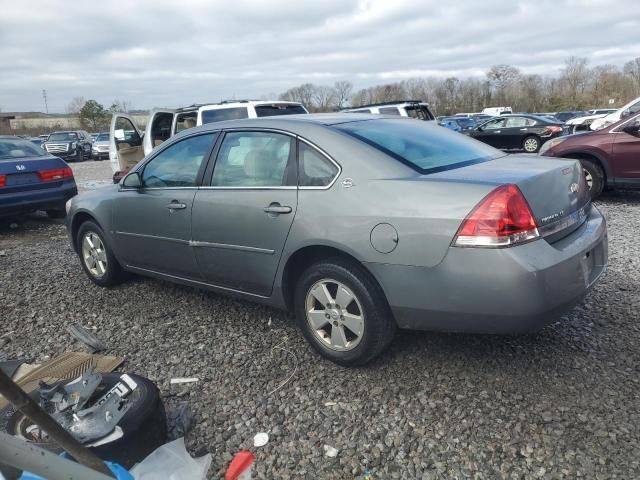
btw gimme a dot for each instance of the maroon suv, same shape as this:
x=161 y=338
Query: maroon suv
x=610 y=157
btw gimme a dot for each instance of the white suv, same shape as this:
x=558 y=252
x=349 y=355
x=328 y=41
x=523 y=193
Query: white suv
x=128 y=145
x=403 y=108
x=629 y=109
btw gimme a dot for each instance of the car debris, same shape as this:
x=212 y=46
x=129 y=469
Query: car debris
x=330 y=451
x=260 y=439
x=179 y=380
x=172 y=462
x=90 y=339
x=241 y=466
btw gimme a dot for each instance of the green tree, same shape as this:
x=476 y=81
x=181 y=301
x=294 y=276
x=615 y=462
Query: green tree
x=94 y=117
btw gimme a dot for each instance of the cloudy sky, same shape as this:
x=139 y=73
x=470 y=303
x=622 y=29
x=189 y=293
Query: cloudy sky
x=171 y=53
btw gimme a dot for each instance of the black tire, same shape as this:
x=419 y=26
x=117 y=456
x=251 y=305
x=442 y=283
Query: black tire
x=80 y=155
x=379 y=324
x=144 y=425
x=113 y=274
x=531 y=144
x=593 y=170
x=57 y=213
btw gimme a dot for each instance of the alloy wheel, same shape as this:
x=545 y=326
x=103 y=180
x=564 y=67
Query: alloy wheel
x=531 y=145
x=94 y=254
x=335 y=315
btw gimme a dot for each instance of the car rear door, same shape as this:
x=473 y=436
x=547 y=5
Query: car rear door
x=625 y=153
x=241 y=220
x=158 y=128
x=491 y=132
x=153 y=223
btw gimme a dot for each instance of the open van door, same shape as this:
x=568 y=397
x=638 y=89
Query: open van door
x=125 y=143
x=158 y=128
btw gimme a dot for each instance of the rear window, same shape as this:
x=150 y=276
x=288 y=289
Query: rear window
x=221 y=114
x=424 y=147
x=102 y=137
x=420 y=112
x=278 y=109
x=11 y=149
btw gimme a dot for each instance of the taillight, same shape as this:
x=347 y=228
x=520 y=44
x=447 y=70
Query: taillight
x=501 y=219
x=3 y=180
x=55 y=174
x=554 y=129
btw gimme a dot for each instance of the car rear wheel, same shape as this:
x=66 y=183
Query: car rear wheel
x=531 y=144
x=80 y=155
x=96 y=257
x=342 y=312
x=594 y=176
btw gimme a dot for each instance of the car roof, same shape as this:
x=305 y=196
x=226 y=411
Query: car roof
x=235 y=103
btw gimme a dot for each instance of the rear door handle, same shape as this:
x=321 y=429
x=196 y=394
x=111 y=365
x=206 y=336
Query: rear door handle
x=496 y=131
x=277 y=209
x=177 y=206
x=524 y=129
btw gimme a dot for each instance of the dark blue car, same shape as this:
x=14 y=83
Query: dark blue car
x=32 y=179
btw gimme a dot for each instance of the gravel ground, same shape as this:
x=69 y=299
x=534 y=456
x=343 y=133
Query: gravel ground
x=563 y=403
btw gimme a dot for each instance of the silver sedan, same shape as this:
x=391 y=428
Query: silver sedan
x=359 y=224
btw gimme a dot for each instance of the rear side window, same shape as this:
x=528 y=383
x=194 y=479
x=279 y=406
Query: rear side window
x=221 y=114
x=315 y=170
x=278 y=109
x=389 y=111
x=422 y=146
x=255 y=159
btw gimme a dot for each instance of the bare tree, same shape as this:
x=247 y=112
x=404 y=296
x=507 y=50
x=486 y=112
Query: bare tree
x=342 y=92
x=575 y=76
x=121 y=106
x=75 y=105
x=500 y=78
x=632 y=69
x=324 y=98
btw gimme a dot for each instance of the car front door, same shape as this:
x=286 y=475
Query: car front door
x=625 y=153
x=153 y=222
x=125 y=143
x=158 y=128
x=240 y=222
x=490 y=132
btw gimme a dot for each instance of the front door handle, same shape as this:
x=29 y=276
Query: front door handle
x=496 y=131
x=176 y=206
x=277 y=209
x=524 y=129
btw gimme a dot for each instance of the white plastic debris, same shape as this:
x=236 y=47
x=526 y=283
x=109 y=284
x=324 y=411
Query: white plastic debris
x=261 y=439
x=174 y=381
x=171 y=461
x=330 y=452
x=330 y=404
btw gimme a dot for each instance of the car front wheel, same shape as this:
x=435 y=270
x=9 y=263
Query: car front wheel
x=594 y=177
x=98 y=261
x=342 y=312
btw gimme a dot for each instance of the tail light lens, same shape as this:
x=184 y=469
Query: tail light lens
x=3 y=180
x=501 y=219
x=554 y=129
x=55 y=174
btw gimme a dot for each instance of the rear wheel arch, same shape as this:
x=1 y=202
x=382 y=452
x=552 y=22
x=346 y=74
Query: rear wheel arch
x=592 y=158
x=302 y=258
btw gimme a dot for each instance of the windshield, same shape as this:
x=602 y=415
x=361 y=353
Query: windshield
x=424 y=147
x=16 y=148
x=464 y=122
x=278 y=109
x=102 y=137
x=63 y=137
x=221 y=114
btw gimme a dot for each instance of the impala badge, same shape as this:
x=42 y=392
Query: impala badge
x=574 y=188
x=20 y=167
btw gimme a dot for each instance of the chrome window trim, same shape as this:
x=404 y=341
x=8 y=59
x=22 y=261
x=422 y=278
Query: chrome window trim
x=229 y=246
x=328 y=157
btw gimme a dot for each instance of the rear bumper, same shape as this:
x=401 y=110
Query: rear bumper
x=510 y=290
x=41 y=199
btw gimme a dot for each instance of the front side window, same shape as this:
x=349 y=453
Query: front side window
x=221 y=114
x=315 y=170
x=178 y=165
x=423 y=146
x=125 y=132
x=255 y=159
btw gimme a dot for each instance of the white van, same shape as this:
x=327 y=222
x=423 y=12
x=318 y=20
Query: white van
x=497 y=111
x=128 y=145
x=630 y=108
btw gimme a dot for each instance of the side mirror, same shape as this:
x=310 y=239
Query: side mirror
x=632 y=129
x=133 y=180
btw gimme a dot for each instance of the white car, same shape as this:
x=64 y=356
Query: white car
x=403 y=108
x=629 y=109
x=128 y=144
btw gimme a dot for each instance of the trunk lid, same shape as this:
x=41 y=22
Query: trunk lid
x=555 y=190
x=22 y=173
